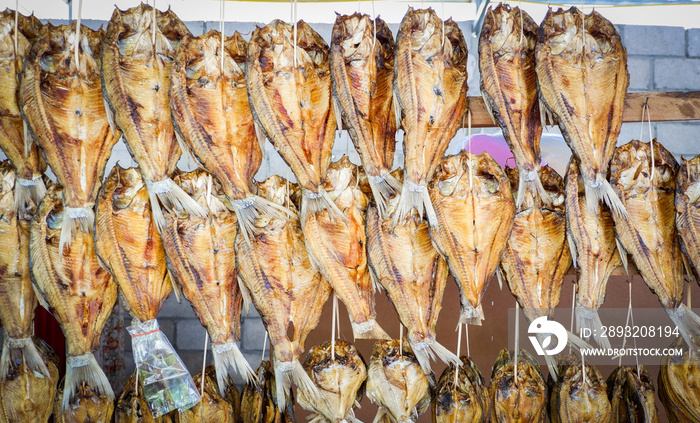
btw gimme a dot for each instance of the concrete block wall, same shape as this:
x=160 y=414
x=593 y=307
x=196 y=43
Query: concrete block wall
x=659 y=59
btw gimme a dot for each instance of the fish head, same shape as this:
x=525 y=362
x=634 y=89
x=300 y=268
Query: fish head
x=524 y=400
x=124 y=185
x=29 y=27
x=508 y=30
x=343 y=184
x=204 y=188
x=54 y=50
x=688 y=183
x=631 y=167
x=280 y=191
x=7 y=185
x=354 y=34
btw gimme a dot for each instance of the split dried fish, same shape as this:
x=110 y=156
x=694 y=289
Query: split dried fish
x=679 y=389
x=645 y=181
x=15 y=142
x=131 y=408
x=89 y=406
x=475 y=213
x=362 y=69
x=509 y=87
x=81 y=295
x=257 y=403
x=430 y=83
x=688 y=210
x=214 y=406
x=286 y=289
x=137 y=65
x=61 y=99
x=522 y=400
x=580 y=395
x=202 y=259
x=631 y=395
x=593 y=247
x=337 y=246
x=582 y=77
x=463 y=397
x=127 y=242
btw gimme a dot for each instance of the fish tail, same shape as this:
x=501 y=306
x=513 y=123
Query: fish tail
x=289 y=372
x=688 y=324
x=251 y=208
x=384 y=187
x=601 y=190
x=229 y=361
x=27 y=191
x=552 y=366
x=75 y=218
x=471 y=315
x=530 y=181
x=588 y=318
x=21 y=350
x=414 y=196
x=313 y=202
x=368 y=330
x=83 y=369
x=427 y=350
x=173 y=198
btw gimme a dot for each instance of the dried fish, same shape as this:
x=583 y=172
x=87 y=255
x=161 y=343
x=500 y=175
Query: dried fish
x=631 y=395
x=463 y=397
x=688 y=210
x=131 y=408
x=580 y=395
x=257 y=401
x=214 y=406
x=678 y=388
x=522 y=400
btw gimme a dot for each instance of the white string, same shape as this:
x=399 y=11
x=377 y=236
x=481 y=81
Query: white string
x=221 y=29
x=573 y=305
x=466 y=332
x=517 y=342
x=154 y=25
x=136 y=388
x=627 y=320
x=204 y=361
x=459 y=348
x=689 y=296
x=469 y=137
x=333 y=323
x=16 y=40
x=77 y=34
x=400 y=340
x=583 y=369
x=295 y=2
x=264 y=347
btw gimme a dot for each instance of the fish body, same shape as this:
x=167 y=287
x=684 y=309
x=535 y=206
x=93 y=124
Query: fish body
x=88 y=407
x=430 y=83
x=688 y=210
x=579 y=396
x=127 y=242
x=362 y=70
x=405 y=263
x=290 y=95
x=594 y=249
x=522 y=400
x=26 y=160
x=337 y=246
x=132 y=408
x=509 y=87
x=645 y=181
x=257 y=404
x=286 y=289
x=582 y=78
x=81 y=295
x=396 y=383
x=631 y=395
x=214 y=406
x=339 y=372
x=211 y=112
x=475 y=213
x=61 y=100
x=679 y=389
x=463 y=397
x=137 y=64
x=201 y=257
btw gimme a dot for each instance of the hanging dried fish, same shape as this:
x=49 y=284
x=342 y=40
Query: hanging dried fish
x=214 y=406
x=678 y=388
x=257 y=400
x=688 y=210
x=631 y=395
x=520 y=400
x=461 y=398
x=580 y=394
x=131 y=408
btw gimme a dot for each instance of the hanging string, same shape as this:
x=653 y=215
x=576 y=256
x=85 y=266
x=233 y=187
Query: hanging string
x=264 y=347
x=573 y=302
x=154 y=24
x=469 y=138
x=466 y=333
x=294 y=11
x=77 y=34
x=204 y=361
x=459 y=348
x=374 y=23
x=627 y=320
x=221 y=29
x=583 y=369
x=333 y=323
x=16 y=34
x=517 y=342
x=443 y=24
x=400 y=340
x=136 y=387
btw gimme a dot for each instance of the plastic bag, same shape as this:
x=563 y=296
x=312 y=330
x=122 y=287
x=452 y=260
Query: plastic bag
x=166 y=382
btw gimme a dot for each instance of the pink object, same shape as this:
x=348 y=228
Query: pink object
x=495 y=145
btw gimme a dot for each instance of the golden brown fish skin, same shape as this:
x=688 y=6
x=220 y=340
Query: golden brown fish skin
x=134 y=409
x=337 y=246
x=582 y=78
x=29 y=165
x=537 y=255
x=631 y=395
x=88 y=407
x=210 y=109
x=339 y=377
x=521 y=401
x=257 y=404
x=202 y=259
x=465 y=399
x=578 y=397
x=127 y=242
x=475 y=213
x=213 y=407
x=362 y=69
x=595 y=255
x=396 y=383
x=291 y=100
x=431 y=85
x=679 y=389
x=24 y=397
x=509 y=85
x=688 y=210
x=405 y=263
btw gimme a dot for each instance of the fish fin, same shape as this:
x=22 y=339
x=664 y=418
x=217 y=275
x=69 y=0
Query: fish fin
x=28 y=190
x=623 y=255
x=398 y=110
x=249 y=209
x=376 y=285
x=338 y=114
x=260 y=135
x=318 y=419
x=28 y=138
x=173 y=198
x=530 y=181
x=415 y=196
x=688 y=270
x=84 y=369
x=426 y=351
x=572 y=249
x=384 y=187
x=590 y=319
x=368 y=330
x=317 y=202
x=499 y=276
x=176 y=287
x=184 y=147
x=290 y=372
x=688 y=324
x=546 y=116
x=74 y=218
x=229 y=361
x=487 y=103
x=601 y=190
x=471 y=315
x=552 y=366
x=110 y=116
x=42 y=299
x=379 y=417
x=16 y=351
x=245 y=293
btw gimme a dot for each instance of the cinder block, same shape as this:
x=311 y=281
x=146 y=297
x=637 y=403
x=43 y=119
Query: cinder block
x=640 y=70
x=694 y=42
x=677 y=74
x=680 y=138
x=193 y=360
x=253 y=334
x=172 y=308
x=190 y=335
x=654 y=40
